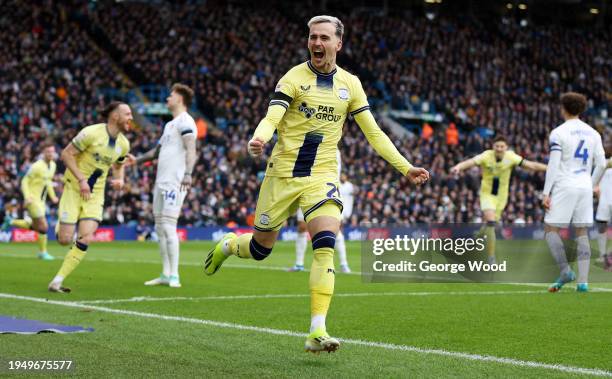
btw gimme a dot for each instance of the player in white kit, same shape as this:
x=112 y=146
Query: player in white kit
x=604 y=210
x=301 y=241
x=575 y=149
x=176 y=157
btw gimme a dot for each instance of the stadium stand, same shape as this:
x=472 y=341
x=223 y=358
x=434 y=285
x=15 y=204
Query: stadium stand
x=486 y=78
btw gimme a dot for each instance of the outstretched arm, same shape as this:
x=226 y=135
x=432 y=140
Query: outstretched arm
x=386 y=149
x=146 y=157
x=462 y=166
x=533 y=166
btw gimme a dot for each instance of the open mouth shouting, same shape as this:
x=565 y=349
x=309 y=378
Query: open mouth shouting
x=318 y=55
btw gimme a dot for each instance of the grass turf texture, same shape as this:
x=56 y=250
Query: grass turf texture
x=567 y=328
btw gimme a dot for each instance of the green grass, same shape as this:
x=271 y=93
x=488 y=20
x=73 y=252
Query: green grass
x=567 y=328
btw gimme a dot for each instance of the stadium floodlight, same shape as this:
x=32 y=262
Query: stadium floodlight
x=594 y=11
x=509 y=6
x=522 y=6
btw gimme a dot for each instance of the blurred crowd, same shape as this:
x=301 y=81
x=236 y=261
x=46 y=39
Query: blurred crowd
x=476 y=74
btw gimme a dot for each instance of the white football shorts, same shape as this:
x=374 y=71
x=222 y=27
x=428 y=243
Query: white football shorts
x=168 y=199
x=573 y=205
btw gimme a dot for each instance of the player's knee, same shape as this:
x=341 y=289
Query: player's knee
x=85 y=239
x=258 y=251
x=489 y=216
x=64 y=239
x=580 y=232
x=170 y=232
x=160 y=230
x=42 y=228
x=548 y=228
x=168 y=227
x=324 y=239
x=602 y=226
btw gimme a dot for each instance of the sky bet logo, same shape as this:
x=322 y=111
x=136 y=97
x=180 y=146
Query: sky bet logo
x=323 y=113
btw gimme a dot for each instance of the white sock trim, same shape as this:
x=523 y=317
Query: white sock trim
x=316 y=322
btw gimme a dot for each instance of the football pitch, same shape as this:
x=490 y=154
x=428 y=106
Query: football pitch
x=251 y=319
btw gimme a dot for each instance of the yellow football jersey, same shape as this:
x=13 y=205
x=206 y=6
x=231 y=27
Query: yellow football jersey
x=38 y=181
x=98 y=152
x=317 y=105
x=496 y=173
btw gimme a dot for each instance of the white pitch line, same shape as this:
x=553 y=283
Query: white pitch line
x=256 y=266
x=193 y=264
x=591 y=289
x=292 y=296
x=382 y=345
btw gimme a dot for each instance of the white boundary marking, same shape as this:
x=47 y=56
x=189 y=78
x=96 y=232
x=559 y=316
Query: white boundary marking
x=382 y=345
x=255 y=266
x=146 y=261
x=294 y=296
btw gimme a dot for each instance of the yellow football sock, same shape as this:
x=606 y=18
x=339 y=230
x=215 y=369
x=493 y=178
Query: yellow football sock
x=240 y=246
x=42 y=242
x=22 y=224
x=247 y=247
x=322 y=278
x=481 y=231
x=490 y=234
x=73 y=258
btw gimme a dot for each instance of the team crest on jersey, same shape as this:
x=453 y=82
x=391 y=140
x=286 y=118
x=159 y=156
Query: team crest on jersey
x=305 y=88
x=343 y=94
x=308 y=112
x=264 y=219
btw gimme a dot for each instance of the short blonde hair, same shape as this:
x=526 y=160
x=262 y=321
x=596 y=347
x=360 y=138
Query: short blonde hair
x=331 y=19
